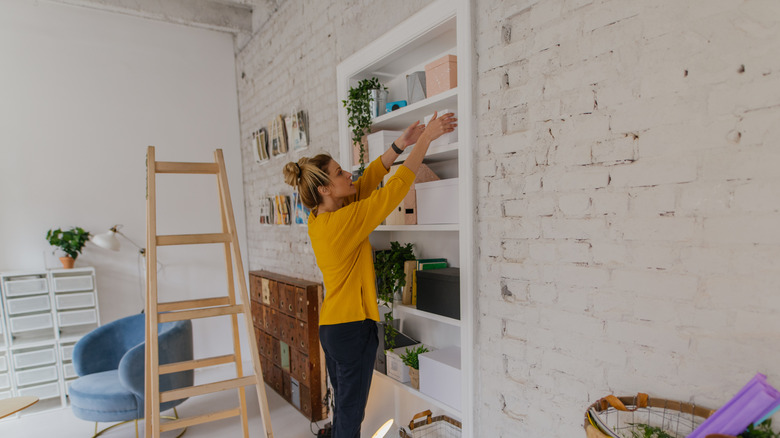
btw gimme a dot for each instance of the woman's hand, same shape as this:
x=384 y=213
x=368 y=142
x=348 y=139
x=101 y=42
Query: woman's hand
x=439 y=126
x=410 y=135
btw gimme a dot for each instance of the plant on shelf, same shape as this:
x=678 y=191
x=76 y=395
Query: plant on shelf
x=389 y=267
x=411 y=359
x=71 y=242
x=358 y=105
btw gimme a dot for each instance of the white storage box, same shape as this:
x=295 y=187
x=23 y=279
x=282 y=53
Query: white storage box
x=30 y=323
x=379 y=142
x=440 y=375
x=445 y=139
x=69 y=371
x=18 y=288
x=437 y=202
x=75 y=301
x=36 y=375
x=73 y=284
x=5 y=381
x=67 y=352
x=77 y=317
x=49 y=390
x=34 y=358
x=395 y=366
x=38 y=303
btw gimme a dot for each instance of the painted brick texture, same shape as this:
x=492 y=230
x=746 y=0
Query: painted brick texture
x=629 y=202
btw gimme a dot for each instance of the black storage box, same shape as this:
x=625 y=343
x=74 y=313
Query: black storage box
x=438 y=291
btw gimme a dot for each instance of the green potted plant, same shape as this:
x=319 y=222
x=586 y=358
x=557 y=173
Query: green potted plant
x=411 y=359
x=389 y=268
x=71 y=242
x=358 y=105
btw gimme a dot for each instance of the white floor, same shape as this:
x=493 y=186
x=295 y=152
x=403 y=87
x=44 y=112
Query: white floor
x=287 y=422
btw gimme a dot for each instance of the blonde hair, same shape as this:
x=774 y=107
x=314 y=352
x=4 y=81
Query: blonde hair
x=306 y=176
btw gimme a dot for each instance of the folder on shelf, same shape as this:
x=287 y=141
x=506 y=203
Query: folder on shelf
x=406 y=212
x=409 y=267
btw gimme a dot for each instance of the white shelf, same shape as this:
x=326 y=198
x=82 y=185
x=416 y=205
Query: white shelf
x=404 y=309
x=408 y=388
x=434 y=227
x=400 y=119
x=435 y=154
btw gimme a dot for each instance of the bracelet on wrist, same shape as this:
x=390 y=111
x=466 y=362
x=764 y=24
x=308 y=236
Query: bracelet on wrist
x=397 y=150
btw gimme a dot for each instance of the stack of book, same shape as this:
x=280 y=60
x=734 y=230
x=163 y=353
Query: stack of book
x=409 y=295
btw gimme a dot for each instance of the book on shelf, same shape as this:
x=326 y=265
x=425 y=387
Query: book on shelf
x=409 y=267
x=425 y=264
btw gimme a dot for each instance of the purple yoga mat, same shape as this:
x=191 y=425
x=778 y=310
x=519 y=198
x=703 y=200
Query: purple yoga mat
x=751 y=403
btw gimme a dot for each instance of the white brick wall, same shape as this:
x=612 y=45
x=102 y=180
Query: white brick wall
x=629 y=197
x=640 y=249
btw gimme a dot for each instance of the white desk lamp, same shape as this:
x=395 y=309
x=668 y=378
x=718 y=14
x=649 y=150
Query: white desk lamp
x=108 y=240
x=383 y=430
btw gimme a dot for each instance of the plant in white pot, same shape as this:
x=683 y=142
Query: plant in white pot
x=71 y=242
x=411 y=359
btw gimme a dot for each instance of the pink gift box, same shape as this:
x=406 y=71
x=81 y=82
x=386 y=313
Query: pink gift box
x=441 y=75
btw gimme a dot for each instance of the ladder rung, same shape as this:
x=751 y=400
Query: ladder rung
x=193 y=239
x=181 y=423
x=208 y=388
x=193 y=304
x=197 y=363
x=201 y=313
x=195 y=168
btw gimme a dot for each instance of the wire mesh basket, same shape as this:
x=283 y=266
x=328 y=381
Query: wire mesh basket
x=440 y=426
x=629 y=417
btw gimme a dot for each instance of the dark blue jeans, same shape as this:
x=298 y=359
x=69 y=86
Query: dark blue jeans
x=350 y=351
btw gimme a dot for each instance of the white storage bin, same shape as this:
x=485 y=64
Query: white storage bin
x=440 y=375
x=34 y=376
x=73 y=284
x=69 y=371
x=49 y=390
x=379 y=142
x=67 y=352
x=27 y=359
x=5 y=381
x=18 y=288
x=75 y=301
x=396 y=367
x=3 y=363
x=30 y=323
x=437 y=202
x=444 y=139
x=39 y=303
x=77 y=317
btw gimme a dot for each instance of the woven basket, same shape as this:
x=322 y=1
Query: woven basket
x=440 y=426
x=620 y=417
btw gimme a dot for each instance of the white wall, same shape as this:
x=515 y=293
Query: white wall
x=82 y=94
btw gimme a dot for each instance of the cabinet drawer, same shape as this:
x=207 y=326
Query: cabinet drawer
x=18 y=288
x=30 y=323
x=77 y=317
x=49 y=390
x=74 y=301
x=39 y=303
x=3 y=364
x=69 y=371
x=5 y=381
x=5 y=394
x=265 y=294
x=35 y=376
x=34 y=358
x=66 y=351
x=73 y=284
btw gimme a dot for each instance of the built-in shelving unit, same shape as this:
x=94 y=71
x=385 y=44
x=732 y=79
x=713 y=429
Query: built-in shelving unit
x=442 y=28
x=44 y=314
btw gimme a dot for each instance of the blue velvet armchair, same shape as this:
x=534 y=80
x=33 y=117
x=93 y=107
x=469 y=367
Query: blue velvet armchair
x=110 y=364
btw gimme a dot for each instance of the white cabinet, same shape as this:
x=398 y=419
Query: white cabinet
x=43 y=315
x=442 y=28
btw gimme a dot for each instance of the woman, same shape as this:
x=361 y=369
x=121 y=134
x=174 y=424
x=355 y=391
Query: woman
x=343 y=215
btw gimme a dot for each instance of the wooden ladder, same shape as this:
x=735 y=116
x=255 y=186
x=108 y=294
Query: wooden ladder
x=199 y=308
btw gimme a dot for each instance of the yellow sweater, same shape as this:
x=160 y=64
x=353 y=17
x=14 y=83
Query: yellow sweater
x=340 y=243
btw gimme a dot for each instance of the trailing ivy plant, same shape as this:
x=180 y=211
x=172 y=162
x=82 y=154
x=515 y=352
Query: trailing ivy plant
x=358 y=105
x=71 y=242
x=389 y=267
x=763 y=430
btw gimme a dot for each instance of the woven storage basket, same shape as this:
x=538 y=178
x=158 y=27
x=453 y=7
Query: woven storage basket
x=440 y=426
x=619 y=416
